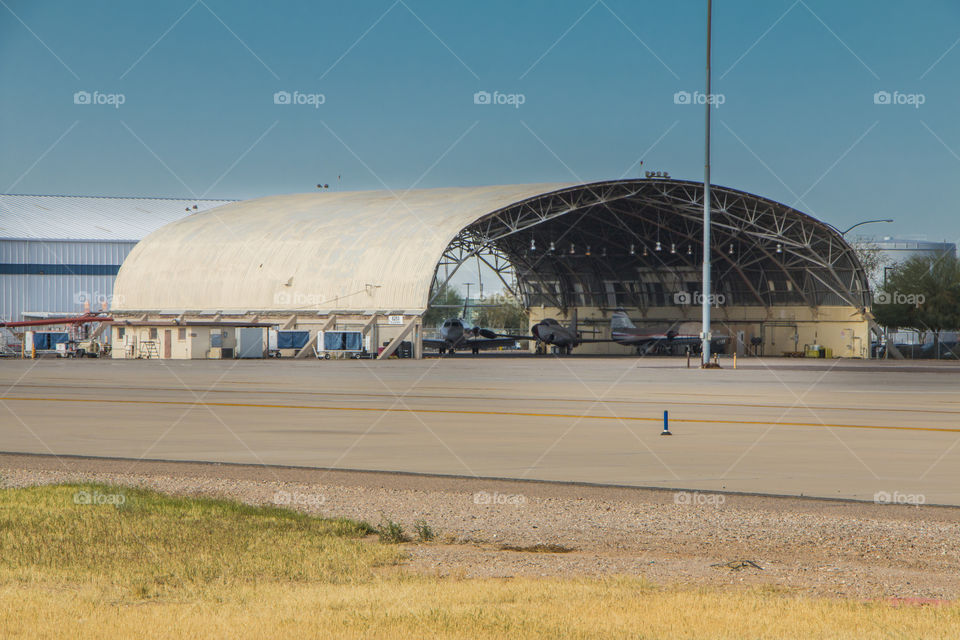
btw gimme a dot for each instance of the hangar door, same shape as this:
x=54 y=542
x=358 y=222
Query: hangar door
x=249 y=342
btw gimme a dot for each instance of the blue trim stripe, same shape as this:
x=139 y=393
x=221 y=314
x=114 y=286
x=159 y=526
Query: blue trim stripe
x=59 y=269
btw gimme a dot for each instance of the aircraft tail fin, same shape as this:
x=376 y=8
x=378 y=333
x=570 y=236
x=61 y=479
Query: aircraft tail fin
x=620 y=320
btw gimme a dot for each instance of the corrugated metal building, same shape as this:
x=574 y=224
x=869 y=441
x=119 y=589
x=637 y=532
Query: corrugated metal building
x=60 y=253
x=896 y=250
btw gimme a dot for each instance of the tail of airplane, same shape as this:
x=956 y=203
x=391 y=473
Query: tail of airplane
x=620 y=320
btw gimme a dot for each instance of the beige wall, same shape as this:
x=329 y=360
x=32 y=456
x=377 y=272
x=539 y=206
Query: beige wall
x=195 y=343
x=840 y=329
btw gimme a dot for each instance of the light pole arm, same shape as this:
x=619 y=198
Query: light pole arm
x=843 y=233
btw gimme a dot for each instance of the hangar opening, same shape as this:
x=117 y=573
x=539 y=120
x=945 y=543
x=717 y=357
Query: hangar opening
x=373 y=261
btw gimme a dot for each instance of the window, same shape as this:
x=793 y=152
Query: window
x=153 y=333
x=181 y=333
x=121 y=331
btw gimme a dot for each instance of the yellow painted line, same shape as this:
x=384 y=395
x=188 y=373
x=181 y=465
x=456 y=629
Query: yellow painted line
x=414 y=396
x=476 y=412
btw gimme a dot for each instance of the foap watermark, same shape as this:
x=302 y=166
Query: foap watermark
x=896 y=97
x=698 y=97
x=297 y=299
x=898 y=297
x=483 y=497
x=885 y=497
x=99 y=98
x=298 y=97
x=696 y=297
x=511 y=99
x=96 y=299
x=94 y=497
x=697 y=499
x=292 y=498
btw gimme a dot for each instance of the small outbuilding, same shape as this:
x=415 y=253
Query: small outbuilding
x=189 y=340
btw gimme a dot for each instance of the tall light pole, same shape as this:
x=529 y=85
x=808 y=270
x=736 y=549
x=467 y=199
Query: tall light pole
x=705 y=302
x=466 y=301
x=843 y=233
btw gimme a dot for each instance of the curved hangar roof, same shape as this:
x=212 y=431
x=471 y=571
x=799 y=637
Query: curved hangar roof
x=620 y=243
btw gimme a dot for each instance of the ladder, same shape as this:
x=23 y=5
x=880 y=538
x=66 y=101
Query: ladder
x=148 y=349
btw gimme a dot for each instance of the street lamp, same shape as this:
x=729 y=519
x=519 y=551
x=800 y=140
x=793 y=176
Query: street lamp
x=885 y=270
x=705 y=305
x=466 y=302
x=843 y=233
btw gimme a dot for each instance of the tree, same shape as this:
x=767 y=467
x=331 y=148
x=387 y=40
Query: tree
x=506 y=313
x=872 y=260
x=447 y=304
x=922 y=293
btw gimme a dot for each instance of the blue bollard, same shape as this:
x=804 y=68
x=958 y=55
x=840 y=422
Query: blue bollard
x=666 y=425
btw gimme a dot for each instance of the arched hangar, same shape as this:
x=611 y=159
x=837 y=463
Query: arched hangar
x=371 y=260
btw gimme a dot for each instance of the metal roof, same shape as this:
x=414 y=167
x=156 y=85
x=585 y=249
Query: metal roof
x=39 y=217
x=888 y=243
x=364 y=250
x=332 y=250
x=194 y=323
x=646 y=238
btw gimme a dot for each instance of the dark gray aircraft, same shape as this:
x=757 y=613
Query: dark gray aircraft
x=454 y=334
x=622 y=331
x=550 y=332
x=625 y=332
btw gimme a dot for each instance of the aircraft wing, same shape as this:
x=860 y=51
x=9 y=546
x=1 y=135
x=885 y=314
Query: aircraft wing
x=679 y=338
x=513 y=337
x=534 y=338
x=647 y=338
x=490 y=343
x=689 y=338
x=471 y=343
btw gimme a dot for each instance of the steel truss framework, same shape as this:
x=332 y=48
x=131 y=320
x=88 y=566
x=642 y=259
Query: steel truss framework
x=638 y=243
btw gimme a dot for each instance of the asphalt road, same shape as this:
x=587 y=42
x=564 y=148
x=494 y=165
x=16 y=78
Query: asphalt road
x=845 y=429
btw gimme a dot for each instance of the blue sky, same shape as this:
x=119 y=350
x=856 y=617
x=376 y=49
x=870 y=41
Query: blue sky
x=798 y=124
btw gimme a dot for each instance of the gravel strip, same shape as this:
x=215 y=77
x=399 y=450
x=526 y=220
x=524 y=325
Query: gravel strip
x=819 y=547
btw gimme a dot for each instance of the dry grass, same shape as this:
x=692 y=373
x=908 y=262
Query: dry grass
x=426 y=608
x=537 y=548
x=154 y=545
x=164 y=567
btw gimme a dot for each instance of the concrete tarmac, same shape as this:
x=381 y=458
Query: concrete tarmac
x=840 y=429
